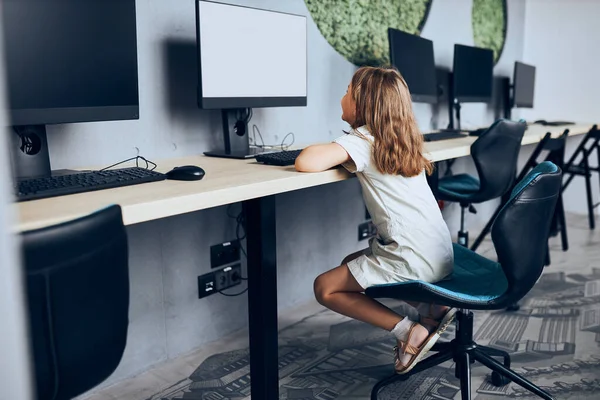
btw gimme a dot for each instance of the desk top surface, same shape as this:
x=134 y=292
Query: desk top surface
x=227 y=181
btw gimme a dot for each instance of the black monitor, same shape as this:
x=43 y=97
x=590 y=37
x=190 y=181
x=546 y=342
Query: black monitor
x=70 y=60
x=248 y=58
x=413 y=56
x=473 y=74
x=67 y=61
x=523 y=85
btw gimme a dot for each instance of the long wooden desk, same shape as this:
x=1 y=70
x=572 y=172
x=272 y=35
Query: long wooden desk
x=226 y=181
x=230 y=181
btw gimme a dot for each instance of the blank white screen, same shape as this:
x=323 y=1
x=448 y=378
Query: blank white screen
x=246 y=52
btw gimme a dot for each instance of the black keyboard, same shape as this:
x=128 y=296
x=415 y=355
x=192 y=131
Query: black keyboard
x=281 y=158
x=553 y=123
x=39 y=188
x=443 y=135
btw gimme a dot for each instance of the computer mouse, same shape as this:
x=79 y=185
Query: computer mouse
x=186 y=173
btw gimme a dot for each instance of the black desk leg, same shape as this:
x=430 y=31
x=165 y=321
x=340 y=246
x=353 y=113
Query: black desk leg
x=262 y=297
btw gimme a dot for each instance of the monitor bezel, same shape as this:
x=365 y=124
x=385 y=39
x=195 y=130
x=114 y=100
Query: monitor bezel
x=514 y=97
x=418 y=97
x=68 y=115
x=212 y=103
x=471 y=99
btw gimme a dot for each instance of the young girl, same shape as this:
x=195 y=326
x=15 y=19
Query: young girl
x=385 y=150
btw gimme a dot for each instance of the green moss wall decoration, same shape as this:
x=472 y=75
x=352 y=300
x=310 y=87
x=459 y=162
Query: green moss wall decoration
x=489 y=25
x=357 y=29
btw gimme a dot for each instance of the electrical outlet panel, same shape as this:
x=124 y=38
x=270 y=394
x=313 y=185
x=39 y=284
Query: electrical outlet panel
x=224 y=253
x=222 y=279
x=366 y=230
x=206 y=285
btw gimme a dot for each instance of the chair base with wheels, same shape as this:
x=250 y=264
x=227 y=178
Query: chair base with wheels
x=520 y=235
x=464 y=351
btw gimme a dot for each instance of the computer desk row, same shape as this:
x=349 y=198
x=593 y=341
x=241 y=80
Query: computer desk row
x=230 y=181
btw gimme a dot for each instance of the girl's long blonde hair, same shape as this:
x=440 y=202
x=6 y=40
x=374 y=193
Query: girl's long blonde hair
x=383 y=105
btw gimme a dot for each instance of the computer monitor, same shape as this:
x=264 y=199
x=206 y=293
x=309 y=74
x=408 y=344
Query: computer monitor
x=68 y=61
x=413 y=56
x=523 y=85
x=473 y=74
x=249 y=58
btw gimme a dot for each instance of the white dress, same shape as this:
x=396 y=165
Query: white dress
x=413 y=241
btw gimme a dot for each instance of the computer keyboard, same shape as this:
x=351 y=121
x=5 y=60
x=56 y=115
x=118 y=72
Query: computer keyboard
x=39 y=188
x=553 y=123
x=281 y=158
x=443 y=135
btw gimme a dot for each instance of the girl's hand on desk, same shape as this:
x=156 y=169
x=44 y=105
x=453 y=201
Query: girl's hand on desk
x=321 y=157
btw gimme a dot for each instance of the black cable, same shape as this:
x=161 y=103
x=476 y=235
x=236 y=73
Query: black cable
x=234 y=294
x=254 y=131
x=241 y=223
x=137 y=158
x=289 y=145
x=283 y=146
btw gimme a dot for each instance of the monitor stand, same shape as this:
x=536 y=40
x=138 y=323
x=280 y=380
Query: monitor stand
x=28 y=152
x=507 y=101
x=456 y=107
x=235 y=145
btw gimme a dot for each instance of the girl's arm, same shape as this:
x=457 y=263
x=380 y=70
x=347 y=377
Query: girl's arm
x=321 y=157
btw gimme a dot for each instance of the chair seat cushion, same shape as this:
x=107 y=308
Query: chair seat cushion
x=474 y=284
x=459 y=187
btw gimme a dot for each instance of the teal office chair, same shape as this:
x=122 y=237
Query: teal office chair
x=78 y=302
x=495 y=154
x=520 y=233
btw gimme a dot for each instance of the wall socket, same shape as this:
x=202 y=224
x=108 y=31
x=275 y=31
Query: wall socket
x=224 y=253
x=366 y=230
x=224 y=278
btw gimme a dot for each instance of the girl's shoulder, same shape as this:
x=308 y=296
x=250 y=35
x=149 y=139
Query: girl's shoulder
x=362 y=132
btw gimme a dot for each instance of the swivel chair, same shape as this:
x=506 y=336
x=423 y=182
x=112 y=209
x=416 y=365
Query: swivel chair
x=520 y=234
x=77 y=284
x=495 y=154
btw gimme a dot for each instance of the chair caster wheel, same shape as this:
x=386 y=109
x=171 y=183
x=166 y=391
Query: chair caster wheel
x=499 y=379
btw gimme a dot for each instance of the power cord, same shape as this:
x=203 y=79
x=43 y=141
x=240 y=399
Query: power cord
x=137 y=160
x=240 y=219
x=283 y=145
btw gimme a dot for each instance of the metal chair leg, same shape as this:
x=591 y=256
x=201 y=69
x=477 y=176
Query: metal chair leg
x=588 y=189
x=560 y=209
x=510 y=374
x=490 y=351
x=464 y=374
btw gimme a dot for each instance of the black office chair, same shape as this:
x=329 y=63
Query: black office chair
x=520 y=233
x=495 y=154
x=78 y=301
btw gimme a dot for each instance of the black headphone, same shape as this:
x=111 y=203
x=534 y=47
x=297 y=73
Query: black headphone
x=31 y=143
x=240 y=127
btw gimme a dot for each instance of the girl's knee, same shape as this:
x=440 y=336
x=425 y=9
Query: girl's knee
x=320 y=288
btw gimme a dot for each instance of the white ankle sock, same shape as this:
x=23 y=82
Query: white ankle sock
x=402 y=328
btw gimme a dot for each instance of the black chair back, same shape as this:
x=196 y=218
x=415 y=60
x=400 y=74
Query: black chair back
x=495 y=155
x=520 y=232
x=78 y=299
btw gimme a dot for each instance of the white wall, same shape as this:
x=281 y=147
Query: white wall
x=562 y=40
x=317 y=227
x=14 y=363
